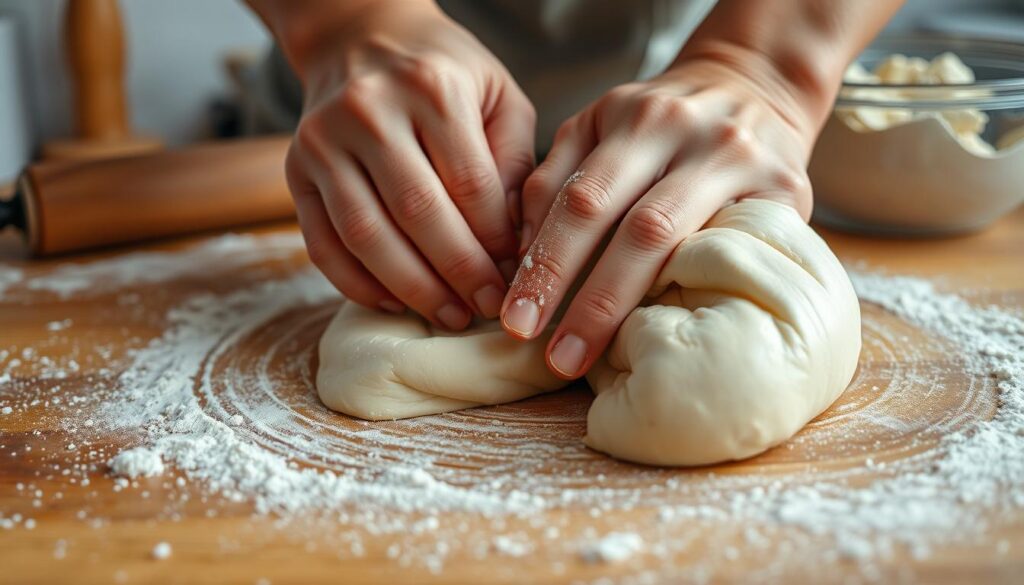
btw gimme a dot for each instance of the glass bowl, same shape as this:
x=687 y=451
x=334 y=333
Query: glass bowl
x=920 y=176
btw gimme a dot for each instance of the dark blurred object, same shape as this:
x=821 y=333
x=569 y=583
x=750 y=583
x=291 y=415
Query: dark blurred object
x=257 y=104
x=226 y=119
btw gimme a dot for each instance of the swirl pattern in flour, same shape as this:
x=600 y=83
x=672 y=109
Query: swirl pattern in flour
x=752 y=330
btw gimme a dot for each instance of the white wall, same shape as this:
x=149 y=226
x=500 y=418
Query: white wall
x=174 y=50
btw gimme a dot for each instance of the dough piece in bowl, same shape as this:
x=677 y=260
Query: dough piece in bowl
x=754 y=329
x=380 y=366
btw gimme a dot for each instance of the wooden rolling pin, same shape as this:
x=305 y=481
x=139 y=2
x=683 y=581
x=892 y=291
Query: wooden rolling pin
x=65 y=206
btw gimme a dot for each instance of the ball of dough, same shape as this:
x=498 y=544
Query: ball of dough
x=754 y=330
x=379 y=366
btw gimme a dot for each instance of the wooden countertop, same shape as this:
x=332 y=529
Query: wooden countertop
x=235 y=547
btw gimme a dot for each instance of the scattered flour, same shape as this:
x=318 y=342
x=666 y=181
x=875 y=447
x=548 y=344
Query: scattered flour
x=162 y=551
x=613 y=548
x=165 y=402
x=59 y=325
x=10 y=276
x=512 y=547
x=138 y=462
x=145 y=267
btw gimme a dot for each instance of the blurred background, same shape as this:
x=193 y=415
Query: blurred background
x=179 y=87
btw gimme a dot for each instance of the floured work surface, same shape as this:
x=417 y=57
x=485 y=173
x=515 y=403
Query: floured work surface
x=190 y=368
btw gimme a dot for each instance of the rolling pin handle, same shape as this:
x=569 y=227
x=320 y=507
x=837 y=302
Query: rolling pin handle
x=12 y=211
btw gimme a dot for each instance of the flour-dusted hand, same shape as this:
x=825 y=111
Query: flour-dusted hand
x=413 y=142
x=660 y=157
x=650 y=162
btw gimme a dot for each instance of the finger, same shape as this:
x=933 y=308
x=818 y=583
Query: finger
x=573 y=142
x=514 y=203
x=511 y=133
x=674 y=208
x=609 y=180
x=369 y=233
x=458 y=150
x=328 y=254
x=417 y=201
x=341 y=268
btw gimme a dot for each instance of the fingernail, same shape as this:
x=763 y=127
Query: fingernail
x=568 y=355
x=524 y=238
x=453 y=316
x=522 y=317
x=392 y=306
x=508 y=269
x=488 y=299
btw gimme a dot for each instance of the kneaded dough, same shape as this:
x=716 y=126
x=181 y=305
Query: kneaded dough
x=751 y=330
x=379 y=366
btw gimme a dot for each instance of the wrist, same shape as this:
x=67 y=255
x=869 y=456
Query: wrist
x=799 y=49
x=801 y=87
x=305 y=28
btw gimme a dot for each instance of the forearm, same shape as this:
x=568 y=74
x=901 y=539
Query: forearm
x=301 y=26
x=803 y=46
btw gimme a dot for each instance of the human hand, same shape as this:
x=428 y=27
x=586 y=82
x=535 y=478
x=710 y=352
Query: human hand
x=407 y=161
x=662 y=156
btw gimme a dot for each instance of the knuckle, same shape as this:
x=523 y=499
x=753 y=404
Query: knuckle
x=535 y=186
x=587 y=198
x=651 y=227
x=791 y=181
x=416 y=293
x=566 y=129
x=358 y=101
x=520 y=159
x=731 y=135
x=460 y=266
x=319 y=252
x=619 y=97
x=661 y=109
x=620 y=92
x=357 y=93
x=599 y=304
x=726 y=131
x=294 y=170
x=548 y=267
x=436 y=75
x=432 y=66
x=360 y=231
x=309 y=135
x=472 y=182
x=416 y=204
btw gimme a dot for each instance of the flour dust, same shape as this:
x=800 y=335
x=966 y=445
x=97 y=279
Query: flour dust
x=221 y=403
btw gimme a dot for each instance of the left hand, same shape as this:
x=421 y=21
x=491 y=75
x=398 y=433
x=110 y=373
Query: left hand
x=662 y=156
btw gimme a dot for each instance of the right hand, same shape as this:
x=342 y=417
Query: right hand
x=407 y=163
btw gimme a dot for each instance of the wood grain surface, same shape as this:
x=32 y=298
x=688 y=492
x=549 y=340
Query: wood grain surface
x=235 y=547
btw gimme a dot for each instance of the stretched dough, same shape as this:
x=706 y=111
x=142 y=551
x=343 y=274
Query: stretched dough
x=379 y=366
x=751 y=330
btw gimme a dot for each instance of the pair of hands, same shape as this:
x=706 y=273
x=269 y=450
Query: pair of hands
x=413 y=165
